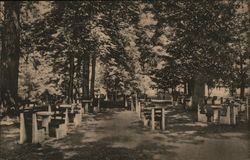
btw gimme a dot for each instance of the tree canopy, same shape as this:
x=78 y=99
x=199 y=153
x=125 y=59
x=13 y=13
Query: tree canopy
x=128 y=45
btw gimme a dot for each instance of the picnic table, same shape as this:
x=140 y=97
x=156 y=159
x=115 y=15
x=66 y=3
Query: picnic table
x=154 y=113
x=87 y=103
x=216 y=108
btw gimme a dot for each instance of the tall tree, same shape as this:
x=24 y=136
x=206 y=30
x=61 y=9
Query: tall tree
x=10 y=52
x=200 y=47
x=93 y=69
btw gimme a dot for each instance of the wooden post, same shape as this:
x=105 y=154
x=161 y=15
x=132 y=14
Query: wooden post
x=80 y=115
x=125 y=101
x=49 y=108
x=86 y=108
x=132 y=104
x=136 y=103
x=152 y=119
x=98 y=104
x=45 y=123
x=247 y=109
x=66 y=117
x=23 y=136
x=81 y=108
x=139 y=109
x=76 y=120
x=216 y=116
x=34 y=128
x=163 y=119
x=91 y=103
x=145 y=121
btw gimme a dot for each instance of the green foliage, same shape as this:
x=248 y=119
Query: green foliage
x=170 y=41
x=202 y=33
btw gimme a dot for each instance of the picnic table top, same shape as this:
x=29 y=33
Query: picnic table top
x=219 y=106
x=44 y=113
x=87 y=101
x=161 y=100
x=156 y=107
x=66 y=106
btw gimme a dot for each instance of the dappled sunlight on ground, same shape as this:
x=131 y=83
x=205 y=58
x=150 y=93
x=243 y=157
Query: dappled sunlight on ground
x=113 y=135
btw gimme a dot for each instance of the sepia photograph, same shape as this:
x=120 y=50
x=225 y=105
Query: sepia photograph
x=125 y=80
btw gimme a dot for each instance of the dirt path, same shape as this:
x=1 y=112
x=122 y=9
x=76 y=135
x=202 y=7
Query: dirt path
x=119 y=135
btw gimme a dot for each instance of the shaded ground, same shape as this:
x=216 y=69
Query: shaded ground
x=119 y=135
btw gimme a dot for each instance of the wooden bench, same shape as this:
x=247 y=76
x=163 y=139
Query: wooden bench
x=221 y=111
x=180 y=100
x=188 y=102
x=75 y=114
x=87 y=103
x=33 y=126
x=58 y=125
x=243 y=110
x=96 y=104
x=154 y=115
x=168 y=101
x=131 y=103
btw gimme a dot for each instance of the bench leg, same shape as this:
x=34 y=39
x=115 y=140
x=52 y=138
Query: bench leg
x=145 y=121
x=86 y=108
x=139 y=109
x=132 y=105
x=247 y=109
x=153 y=119
x=163 y=119
x=125 y=102
x=46 y=124
x=67 y=117
x=23 y=136
x=34 y=129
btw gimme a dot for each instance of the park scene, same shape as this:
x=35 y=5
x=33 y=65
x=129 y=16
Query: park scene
x=125 y=80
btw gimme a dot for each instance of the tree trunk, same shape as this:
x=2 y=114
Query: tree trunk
x=92 y=84
x=85 y=77
x=185 y=88
x=78 y=70
x=10 y=52
x=198 y=92
x=242 y=91
x=190 y=87
x=242 y=78
x=1 y=65
x=71 y=77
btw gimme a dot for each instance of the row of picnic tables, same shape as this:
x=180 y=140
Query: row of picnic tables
x=227 y=110
x=217 y=110
x=152 y=111
x=40 y=121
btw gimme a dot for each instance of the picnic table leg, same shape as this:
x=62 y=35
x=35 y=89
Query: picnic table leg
x=45 y=123
x=136 y=104
x=86 y=108
x=125 y=102
x=81 y=109
x=98 y=104
x=145 y=121
x=34 y=128
x=163 y=119
x=216 y=116
x=132 y=104
x=153 y=119
x=49 y=108
x=23 y=136
x=139 y=109
x=247 y=109
x=67 y=117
